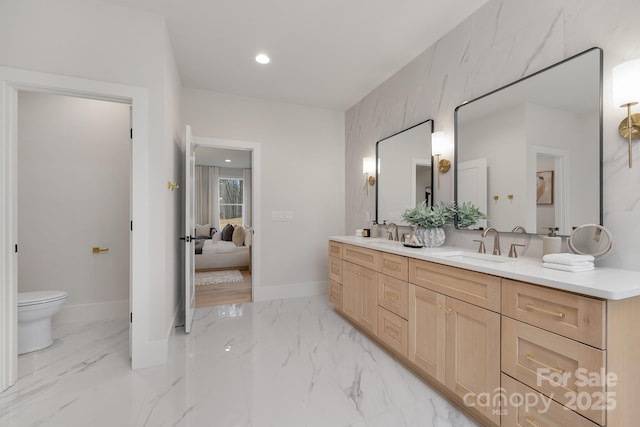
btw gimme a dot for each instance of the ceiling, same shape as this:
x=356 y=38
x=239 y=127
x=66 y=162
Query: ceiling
x=324 y=53
x=211 y=156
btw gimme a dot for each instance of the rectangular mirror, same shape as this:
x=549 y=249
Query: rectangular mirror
x=530 y=154
x=404 y=174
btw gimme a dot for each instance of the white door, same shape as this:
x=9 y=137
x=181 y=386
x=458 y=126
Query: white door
x=189 y=226
x=472 y=185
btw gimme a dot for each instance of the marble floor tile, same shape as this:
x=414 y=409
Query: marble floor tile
x=279 y=363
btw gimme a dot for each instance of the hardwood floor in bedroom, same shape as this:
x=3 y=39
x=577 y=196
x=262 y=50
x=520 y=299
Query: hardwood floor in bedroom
x=208 y=295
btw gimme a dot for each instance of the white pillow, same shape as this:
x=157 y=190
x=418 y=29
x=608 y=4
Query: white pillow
x=203 y=230
x=248 y=236
x=216 y=237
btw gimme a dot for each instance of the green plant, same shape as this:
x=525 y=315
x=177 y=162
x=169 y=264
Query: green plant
x=467 y=215
x=425 y=216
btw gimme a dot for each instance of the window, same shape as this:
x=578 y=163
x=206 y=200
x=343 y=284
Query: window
x=231 y=202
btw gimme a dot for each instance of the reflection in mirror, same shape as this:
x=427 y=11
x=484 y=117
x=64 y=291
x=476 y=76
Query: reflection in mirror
x=529 y=154
x=404 y=176
x=591 y=239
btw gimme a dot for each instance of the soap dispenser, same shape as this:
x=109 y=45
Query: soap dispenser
x=551 y=244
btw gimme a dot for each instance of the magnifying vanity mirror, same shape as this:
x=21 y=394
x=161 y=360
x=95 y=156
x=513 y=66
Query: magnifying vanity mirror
x=404 y=174
x=591 y=239
x=530 y=154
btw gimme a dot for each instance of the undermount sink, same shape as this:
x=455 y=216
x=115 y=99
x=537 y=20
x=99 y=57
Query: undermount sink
x=475 y=256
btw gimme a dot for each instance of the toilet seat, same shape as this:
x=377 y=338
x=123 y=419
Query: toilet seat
x=40 y=297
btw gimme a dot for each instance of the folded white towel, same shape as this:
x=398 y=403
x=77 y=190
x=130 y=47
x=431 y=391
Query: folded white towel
x=565 y=267
x=567 y=258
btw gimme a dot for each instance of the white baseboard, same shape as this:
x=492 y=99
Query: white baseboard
x=266 y=293
x=92 y=312
x=155 y=353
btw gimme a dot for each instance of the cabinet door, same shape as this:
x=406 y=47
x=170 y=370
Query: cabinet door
x=473 y=355
x=427 y=331
x=350 y=289
x=368 y=301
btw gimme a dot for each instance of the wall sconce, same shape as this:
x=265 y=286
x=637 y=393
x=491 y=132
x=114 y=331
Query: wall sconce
x=369 y=169
x=438 y=145
x=626 y=93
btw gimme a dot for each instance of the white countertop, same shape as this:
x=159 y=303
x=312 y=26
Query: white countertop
x=607 y=283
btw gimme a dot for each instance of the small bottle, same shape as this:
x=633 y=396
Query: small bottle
x=551 y=244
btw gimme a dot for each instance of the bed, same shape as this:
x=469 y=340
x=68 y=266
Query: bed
x=219 y=255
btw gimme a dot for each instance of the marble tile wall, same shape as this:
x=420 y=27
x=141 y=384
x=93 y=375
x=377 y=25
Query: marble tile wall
x=502 y=42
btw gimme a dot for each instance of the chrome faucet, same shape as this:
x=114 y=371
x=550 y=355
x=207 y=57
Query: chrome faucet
x=496 y=239
x=391 y=236
x=519 y=229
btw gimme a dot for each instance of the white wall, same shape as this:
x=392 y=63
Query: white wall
x=94 y=40
x=302 y=171
x=502 y=42
x=73 y=186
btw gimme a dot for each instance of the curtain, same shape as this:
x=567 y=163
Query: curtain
x=246 y=174
x=206 y=195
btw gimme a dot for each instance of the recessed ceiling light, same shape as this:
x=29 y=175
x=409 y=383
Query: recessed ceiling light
x=262 y=59
x=227 y=160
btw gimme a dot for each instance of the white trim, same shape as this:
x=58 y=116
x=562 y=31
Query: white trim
x=256 y=199
x=92 y=312
x=12 y=80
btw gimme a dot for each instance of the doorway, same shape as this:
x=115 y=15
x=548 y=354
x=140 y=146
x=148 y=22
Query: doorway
x=143 y=353
x=74 y=158
x=223 y=215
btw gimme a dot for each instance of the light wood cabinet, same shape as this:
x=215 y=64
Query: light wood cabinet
x=476 y=288
x=476 y=336
x=553 y=365
x=535 y=409
x=335 y=294
x=571 y=315
x=360 y=295
x=472 y=367
x=427 y=331
x=392 y=330
x=457 y=344
x=393 y=294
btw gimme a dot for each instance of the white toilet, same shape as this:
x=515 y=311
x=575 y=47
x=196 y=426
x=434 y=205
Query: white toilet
x=35 y=311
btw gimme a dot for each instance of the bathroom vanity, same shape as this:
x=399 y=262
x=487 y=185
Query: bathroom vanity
x=510 y=342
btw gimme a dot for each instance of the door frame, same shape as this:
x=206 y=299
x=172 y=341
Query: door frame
x=256 y=197
x=13 y=80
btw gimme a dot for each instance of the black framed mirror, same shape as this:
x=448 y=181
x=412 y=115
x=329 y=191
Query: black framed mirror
x=530 y=153
x=404 y=173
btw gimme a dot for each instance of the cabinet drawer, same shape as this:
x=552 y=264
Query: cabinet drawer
x=362 y=256
x=535 y=409
x=475 y=288
x=335 y=269
x=395 y=266
x=392 y=330
x=554 y=365
x=335 y=249
x=393 y=294
x=335 y=294
x=571 y=315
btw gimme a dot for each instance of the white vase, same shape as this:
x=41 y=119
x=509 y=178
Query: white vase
x=431 y=237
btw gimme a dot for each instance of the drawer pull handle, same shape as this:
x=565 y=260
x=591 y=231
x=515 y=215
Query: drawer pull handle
x=389 y=295
x=391 y=331
x=391 y=266
x=536 y=361
x=558 y=314
x=448 y=310
x=440 y=306
x=531 y=421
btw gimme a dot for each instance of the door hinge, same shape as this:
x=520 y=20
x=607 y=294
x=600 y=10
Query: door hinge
x=130 y=317
x=16 y=248
x=131 y=225
x=131 y=132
